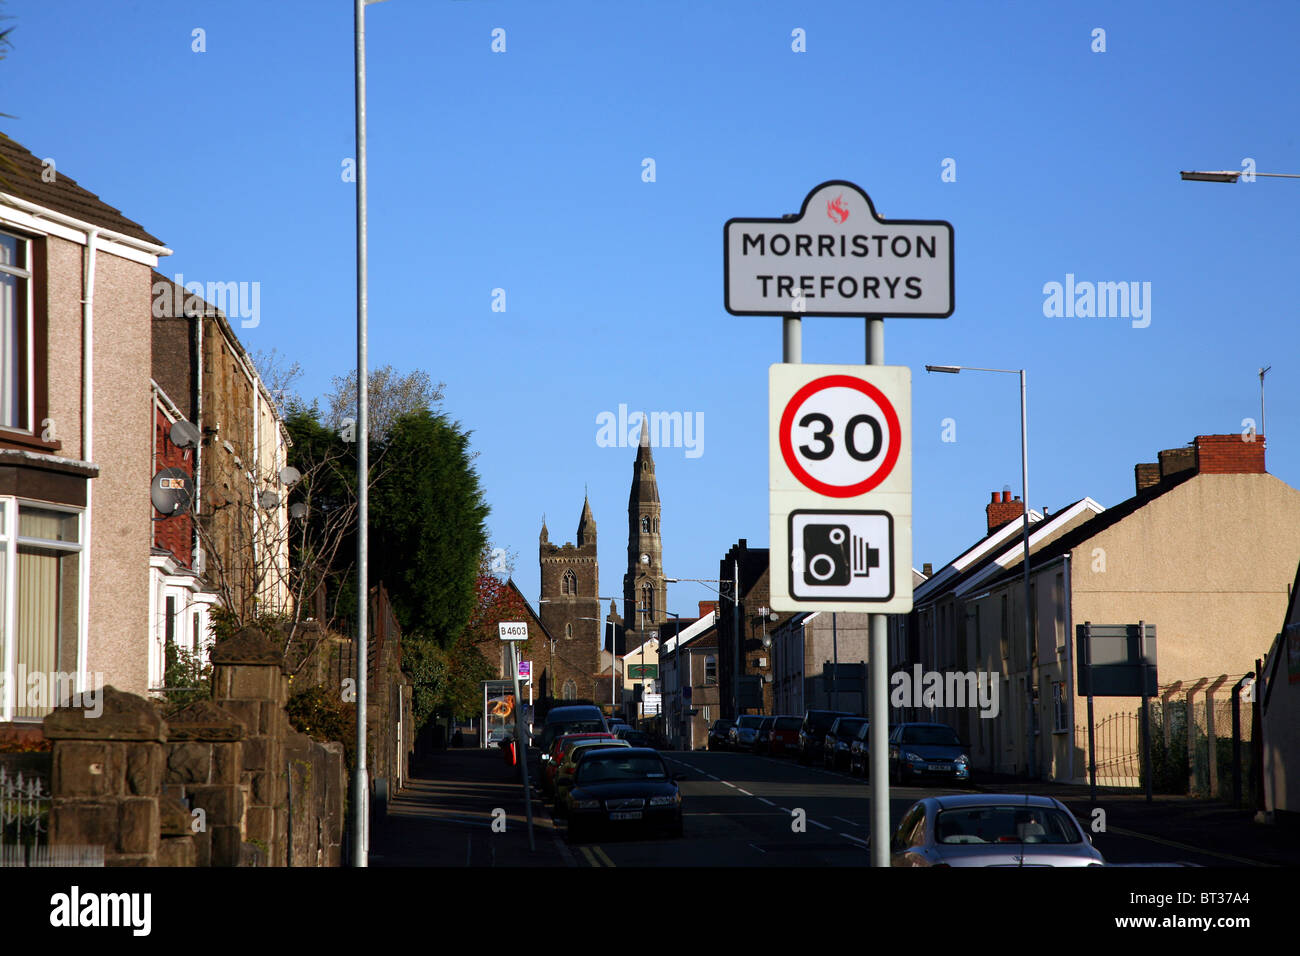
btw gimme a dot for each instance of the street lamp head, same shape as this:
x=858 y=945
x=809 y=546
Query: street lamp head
x=951 y=369
x=1217 y=176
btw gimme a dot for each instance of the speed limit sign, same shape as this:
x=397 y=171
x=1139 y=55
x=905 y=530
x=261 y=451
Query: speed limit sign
x=841 y=488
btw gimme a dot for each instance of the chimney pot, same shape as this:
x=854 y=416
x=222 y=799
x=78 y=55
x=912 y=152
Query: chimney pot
x=995 y=498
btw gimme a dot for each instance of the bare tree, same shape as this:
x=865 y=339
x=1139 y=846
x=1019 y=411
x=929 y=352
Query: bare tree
x=251 y=524
x=279 y=374
x=390 y=393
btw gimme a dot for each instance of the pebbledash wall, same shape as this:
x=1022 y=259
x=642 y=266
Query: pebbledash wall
x=122 y=429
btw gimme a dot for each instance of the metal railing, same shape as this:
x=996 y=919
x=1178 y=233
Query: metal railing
x=25 y=801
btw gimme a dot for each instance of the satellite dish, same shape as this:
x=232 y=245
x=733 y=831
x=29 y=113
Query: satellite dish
x=184 y=434
x=172 y=491
x=290 y=476
x=269 y=500
x=298 y=510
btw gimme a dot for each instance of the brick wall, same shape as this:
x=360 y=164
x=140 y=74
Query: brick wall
x=174 y=533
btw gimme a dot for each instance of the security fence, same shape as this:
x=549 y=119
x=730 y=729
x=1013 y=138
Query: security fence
x=1198 y=747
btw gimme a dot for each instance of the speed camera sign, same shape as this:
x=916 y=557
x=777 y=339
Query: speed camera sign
x=841 y=488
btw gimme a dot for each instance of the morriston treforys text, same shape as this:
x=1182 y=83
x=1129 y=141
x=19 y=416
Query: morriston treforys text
x=846 y=285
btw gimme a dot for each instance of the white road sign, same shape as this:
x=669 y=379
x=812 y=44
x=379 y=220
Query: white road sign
x=513 y=630
x=841 y=487
x=837 y=257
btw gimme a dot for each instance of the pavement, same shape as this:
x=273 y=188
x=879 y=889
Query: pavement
x=465 y=807
x=1207 y=827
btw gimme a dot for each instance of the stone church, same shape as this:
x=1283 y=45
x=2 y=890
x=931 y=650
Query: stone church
x=571 y=603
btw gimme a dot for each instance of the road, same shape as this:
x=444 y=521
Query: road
x=746 y=810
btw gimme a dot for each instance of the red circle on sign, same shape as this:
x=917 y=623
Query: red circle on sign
x=891 y=421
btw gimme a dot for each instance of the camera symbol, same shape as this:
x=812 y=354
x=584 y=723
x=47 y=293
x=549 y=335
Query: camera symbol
x=835 y=556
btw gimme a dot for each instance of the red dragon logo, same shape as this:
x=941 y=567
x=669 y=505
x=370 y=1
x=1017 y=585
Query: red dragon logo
x=837 y=210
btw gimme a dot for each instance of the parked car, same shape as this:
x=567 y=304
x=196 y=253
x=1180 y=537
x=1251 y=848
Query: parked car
x=927 y=750
x=835 y=745
x=785 y=736
x=763 y=741
x=745 y=731
x=860 y=749
x=551 y=759
x=581 y=718
x=981 y=829
x=572 y=758
x=812 y=732
x=719 y=734
x=623 y=789
x=637 y=738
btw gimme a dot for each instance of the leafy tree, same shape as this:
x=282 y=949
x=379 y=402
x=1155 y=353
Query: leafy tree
x=427 y=526
x=448 y=678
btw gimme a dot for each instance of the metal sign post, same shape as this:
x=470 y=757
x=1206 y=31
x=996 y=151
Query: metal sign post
x=514 y=633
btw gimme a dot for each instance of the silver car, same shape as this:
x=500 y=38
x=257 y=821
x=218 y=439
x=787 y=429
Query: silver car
x=985 y=829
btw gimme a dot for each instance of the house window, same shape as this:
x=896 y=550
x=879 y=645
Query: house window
x=40 y=565
x=570 y=690
x=710 y=669
x=569 y=583
x=1060 y=717
x=16 y=360
x=568 y=632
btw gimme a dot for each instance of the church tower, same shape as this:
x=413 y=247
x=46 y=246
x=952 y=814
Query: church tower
x=570 y=610
x=643 y=584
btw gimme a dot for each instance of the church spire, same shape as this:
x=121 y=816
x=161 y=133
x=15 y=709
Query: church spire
x=643 y=445
x=586 y=524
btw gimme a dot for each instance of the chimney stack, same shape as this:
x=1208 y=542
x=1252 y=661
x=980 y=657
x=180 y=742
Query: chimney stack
x=927 y=569
x=1229 y=455
x=1002 y=510
x=1145 y=475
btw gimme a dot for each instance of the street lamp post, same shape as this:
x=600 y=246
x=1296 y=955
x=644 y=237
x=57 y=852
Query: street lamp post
x=1030 y=725
x=360 y=779
x=1229 y=175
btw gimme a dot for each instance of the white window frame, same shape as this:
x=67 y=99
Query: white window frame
x=24 y=274
x=9 y=544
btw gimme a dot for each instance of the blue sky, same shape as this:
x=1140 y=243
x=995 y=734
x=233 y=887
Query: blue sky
x=522 y=171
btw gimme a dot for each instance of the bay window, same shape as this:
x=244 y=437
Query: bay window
x=40 y=604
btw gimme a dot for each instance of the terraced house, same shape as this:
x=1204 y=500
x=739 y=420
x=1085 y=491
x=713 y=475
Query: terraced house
x=96 y=371
x=76 y=429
